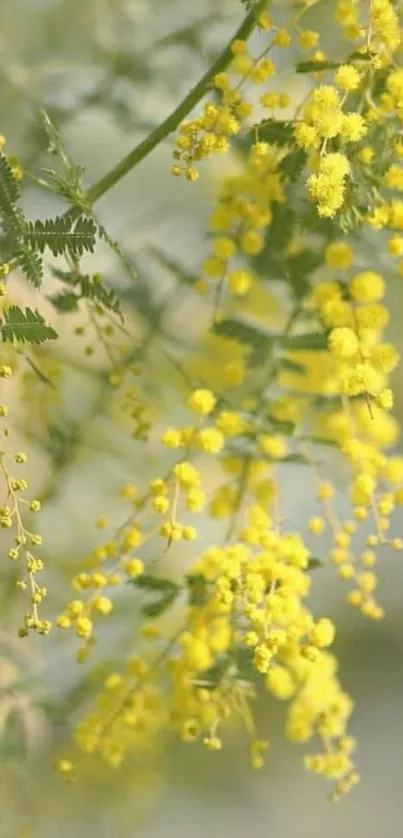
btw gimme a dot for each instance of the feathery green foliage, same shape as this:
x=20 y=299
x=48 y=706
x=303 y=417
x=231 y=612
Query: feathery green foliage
x=25 y=326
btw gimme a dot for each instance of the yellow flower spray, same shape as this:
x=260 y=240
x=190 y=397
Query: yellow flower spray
x=259 y=400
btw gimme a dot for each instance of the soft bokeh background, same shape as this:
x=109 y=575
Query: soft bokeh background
x=108 y=71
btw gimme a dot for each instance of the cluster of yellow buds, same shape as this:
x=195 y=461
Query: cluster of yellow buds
x=255 y=404
x=24 y=540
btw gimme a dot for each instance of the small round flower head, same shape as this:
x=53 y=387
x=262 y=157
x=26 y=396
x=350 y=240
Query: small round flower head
x=202 y=402
x=323 y=633
x=252 y=243
x=282 y=38
x=240 y=282
x=347 y=77
x=308 y=38
x=172 y=438
x=224 y=248
x=366 y=154
x=327 y=187
x=239 y=47
x=367 y=287
x=343 y=342
x=210 y=440
x=273 y=446
x=317 y=525
x=306 y=136
x=352 y=127
x=338 y=255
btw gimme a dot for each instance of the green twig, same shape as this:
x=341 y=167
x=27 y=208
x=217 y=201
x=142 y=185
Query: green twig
x=143 y=149
x=170 y=124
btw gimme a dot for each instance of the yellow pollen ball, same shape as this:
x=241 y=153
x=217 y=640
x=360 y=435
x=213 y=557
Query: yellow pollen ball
x=224 y=248
x=317 y=525
x=210 y=440
x=347 y=77
x=343 y=342
x=367 y=287
x=202 y=402
x=323 y=633
x=338 y=255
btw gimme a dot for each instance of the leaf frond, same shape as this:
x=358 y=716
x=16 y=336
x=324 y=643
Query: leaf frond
x=26 y=326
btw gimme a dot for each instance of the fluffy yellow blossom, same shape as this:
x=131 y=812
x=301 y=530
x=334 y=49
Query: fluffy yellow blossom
x=338 y=255
x=367 y=287
x=282 y=38
x=210 y=440
x=317 y=525
x=385 y=21
x=274 y=446
x=240 y=282
x=308 y=38
x=187 y=474
x=395 y=245
x=172 y=438
x=327 y=187
x=252 y=242
x=343 y=342
x=352 y=127
x=280 y=682
x=323 y=633
x=366 y=154
x=281 y=343
x=224 y=248
x=133 y=568
x=230 y=423
x=394 y=177
x=202 y=402
x=347 y=77
x=306 y=136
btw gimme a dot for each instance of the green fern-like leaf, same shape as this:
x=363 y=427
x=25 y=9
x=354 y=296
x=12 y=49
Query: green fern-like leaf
x=250 y=333
x=14 y=224
x=316 y=66
x=85 y=232
x=69 y=186
x=311 y=341
x=9 y=187
x=65 y=301
x=55 y=142
x=70 y=278
x=126 y=261
x=61 y=235
x=166 y=588
x=68 y=180
x=85 y=287
x=32 y=265
x=26 y=326
x=92 y=288
x=277 y=131
x=293 y=165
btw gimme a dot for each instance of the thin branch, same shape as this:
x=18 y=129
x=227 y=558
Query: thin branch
x=170 y=124
x=111 y=178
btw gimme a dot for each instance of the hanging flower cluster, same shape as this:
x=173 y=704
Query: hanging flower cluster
x=290 y=362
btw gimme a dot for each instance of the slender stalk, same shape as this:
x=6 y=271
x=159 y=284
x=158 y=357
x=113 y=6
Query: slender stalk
x=170 y=124
x=143 y=149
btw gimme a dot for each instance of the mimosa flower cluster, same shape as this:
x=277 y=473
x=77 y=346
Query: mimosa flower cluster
x=16 y=512
x=290 y=360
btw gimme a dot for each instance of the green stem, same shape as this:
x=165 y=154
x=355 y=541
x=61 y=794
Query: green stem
x=170 y=124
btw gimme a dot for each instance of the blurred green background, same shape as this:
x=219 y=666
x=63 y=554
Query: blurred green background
x=108 y=71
